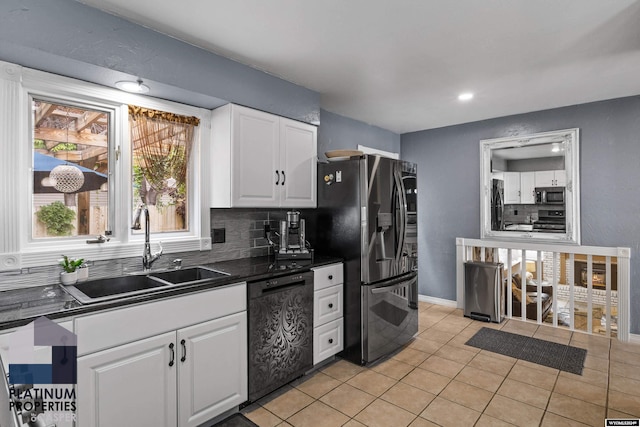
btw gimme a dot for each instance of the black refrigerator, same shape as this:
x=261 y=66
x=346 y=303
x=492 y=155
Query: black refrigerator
x=367 y=215
x=497 y=205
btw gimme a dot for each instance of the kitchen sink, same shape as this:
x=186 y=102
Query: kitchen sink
x=111 y=288
x=136 y=284
x=189 y=275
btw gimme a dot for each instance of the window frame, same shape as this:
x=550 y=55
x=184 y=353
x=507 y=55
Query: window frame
x=19 y=250
x=113 y=112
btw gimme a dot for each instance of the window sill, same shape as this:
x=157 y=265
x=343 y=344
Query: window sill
x=97 y=252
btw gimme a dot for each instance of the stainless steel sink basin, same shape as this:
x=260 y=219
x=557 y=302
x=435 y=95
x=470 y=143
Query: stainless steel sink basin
x=111 y=288
x=189 y=275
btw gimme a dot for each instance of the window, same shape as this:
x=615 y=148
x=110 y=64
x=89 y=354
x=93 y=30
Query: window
x=160 y=151
x=70 y=149
x=48 y=121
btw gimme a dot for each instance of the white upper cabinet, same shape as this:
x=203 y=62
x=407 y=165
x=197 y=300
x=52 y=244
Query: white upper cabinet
x=298 y=154
x=261 y=160
x=527 y=188
x=555 y=178
x=511 y=188
x=255 y=145
x=519 y=188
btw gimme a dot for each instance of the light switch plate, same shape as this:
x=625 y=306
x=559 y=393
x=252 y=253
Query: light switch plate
x=218 y=235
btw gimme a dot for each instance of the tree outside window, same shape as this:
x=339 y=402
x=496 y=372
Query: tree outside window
x=70 y=151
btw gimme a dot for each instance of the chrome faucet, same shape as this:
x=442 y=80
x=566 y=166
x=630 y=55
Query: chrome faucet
x=147 y=257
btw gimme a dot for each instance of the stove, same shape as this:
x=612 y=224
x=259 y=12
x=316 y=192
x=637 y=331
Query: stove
x=550 y=221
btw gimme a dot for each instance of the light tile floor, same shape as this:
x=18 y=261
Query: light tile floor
x=438 y=380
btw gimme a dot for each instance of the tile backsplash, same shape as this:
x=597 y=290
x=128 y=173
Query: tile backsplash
x=521 y=214
x=244 y=237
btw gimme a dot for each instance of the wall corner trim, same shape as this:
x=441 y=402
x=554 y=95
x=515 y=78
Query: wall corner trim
x=634 y=339
x=438 y=301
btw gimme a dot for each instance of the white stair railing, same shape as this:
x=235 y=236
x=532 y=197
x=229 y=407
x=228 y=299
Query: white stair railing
x=510 y=252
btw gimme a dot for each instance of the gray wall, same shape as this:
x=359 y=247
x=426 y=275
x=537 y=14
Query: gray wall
x=449 y=171
x=72 y=39
x=337 y=132
x=536 y=164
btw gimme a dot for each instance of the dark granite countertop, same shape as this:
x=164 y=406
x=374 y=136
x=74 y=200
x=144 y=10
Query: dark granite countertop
x=21 y=306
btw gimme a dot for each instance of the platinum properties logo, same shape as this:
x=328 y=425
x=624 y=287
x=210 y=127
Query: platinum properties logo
x=46 y=404
x=50 y=402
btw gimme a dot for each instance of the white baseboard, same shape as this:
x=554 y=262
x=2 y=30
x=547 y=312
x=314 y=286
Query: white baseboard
x=634 y=338
x=438 y=301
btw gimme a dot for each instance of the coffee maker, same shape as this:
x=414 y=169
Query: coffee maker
x=293 y=241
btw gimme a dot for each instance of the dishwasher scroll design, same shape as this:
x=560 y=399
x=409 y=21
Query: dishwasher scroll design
x=280 y=339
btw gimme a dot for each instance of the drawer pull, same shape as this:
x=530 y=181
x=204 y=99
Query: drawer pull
x=330 y=340
x=331 y=305
x=173 y=354
x=331 y=277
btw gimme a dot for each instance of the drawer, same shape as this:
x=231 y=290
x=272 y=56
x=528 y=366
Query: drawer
x=326 y=276
x=120 y=326
x=327 y=305
x=327 y=340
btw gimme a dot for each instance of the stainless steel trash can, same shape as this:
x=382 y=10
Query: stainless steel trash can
x=483 y=291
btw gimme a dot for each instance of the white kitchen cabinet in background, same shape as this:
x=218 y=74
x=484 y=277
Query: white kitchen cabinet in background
x=261 y=160
x=519 y=188
x=527 y=188
x=185 y=364
x=554 y=178
x=511 y=188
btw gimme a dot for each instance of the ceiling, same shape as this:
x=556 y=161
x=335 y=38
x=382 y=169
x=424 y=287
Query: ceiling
x=400 y=65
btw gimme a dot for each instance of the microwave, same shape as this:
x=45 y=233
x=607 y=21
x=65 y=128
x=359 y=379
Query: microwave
x=550 y=196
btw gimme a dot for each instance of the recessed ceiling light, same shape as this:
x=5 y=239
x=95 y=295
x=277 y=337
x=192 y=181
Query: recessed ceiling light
x=131 y=86
x=466 y=96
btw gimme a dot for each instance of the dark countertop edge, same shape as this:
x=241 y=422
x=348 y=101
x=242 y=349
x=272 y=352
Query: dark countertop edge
x=232 y=267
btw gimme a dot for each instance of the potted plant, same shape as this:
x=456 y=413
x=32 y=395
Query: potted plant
x=69 y=276
x=83 y=272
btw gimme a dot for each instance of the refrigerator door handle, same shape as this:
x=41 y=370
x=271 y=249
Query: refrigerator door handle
x=391 y=287
x=403 y=216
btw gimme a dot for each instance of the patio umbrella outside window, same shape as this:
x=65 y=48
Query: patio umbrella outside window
x=43 y=165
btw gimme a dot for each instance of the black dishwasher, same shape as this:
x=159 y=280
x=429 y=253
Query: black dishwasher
x=280 y=331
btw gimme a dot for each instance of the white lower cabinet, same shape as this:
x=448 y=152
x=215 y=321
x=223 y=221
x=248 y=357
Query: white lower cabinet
x=327 y=312
x=327 y=340
x=183 y=377
x=212 y=368
x=129 y=385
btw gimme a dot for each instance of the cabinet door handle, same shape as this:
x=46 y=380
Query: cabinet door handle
x=330 y=340
x=173 y=354
x=284 y=178
x=277 y=177
x=330 y=305
x=331 y=277
x=184 y=351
